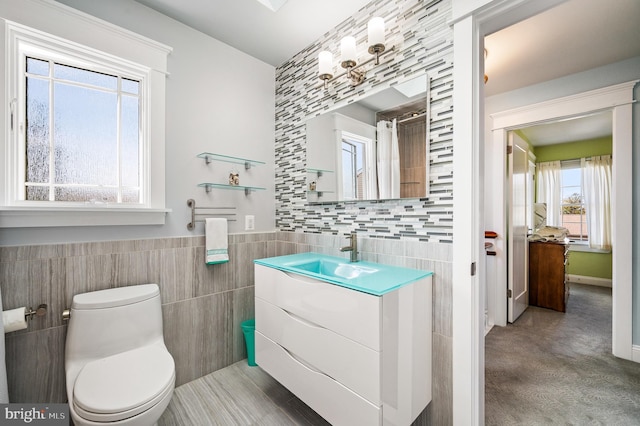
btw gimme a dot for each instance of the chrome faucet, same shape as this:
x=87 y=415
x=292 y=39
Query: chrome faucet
x=352 y=247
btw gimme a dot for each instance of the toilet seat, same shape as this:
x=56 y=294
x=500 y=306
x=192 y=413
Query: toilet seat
x=124 y=385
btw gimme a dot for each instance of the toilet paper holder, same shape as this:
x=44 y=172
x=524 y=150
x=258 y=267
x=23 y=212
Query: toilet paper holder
x=40 y=311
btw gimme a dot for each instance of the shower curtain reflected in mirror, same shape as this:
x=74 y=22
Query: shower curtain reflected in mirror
x=388 y=160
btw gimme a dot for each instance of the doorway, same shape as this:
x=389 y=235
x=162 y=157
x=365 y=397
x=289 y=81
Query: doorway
x=470 y=25
x=567 y=108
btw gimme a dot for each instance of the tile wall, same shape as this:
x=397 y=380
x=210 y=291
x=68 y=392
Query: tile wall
x=202 y=305
x=424 y=41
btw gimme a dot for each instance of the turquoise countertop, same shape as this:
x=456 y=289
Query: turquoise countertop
x=368 y=277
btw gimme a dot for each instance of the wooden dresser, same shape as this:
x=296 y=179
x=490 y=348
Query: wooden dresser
x=547 y=288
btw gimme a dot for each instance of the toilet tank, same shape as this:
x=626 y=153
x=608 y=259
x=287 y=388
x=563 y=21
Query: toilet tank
x=112 y=321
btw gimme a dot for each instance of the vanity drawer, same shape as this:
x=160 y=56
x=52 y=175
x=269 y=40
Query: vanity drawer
x=333 y=401
x=350 y=313
x=352 y=364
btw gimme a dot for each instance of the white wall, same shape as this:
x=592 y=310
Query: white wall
x=218 y=100
x=608 y=75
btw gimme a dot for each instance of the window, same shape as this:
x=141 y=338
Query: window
x=357 y=175
x=352 y=170
x=577 y=194
x=84 y=142
x=82 y=135
x=573 y=208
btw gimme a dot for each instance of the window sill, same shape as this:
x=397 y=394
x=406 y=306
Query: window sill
x=585 y=248
x=22 y=217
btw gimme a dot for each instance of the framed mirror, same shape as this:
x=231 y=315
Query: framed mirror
x=374 y=149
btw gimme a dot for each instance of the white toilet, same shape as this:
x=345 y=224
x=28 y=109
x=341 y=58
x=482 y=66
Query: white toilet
x=118 y=369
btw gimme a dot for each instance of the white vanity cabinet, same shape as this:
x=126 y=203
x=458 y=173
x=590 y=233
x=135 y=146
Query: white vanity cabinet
x=355 y=358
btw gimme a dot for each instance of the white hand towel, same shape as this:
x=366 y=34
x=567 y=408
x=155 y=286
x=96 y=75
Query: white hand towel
x=216 y=243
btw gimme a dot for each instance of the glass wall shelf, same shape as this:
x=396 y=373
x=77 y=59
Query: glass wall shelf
x=247 y=189
x=318 y=172
x=208 y=157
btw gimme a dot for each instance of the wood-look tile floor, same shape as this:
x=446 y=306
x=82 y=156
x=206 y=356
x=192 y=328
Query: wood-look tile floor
x=237 y=395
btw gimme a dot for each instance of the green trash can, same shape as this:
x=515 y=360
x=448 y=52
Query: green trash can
x=249 y=329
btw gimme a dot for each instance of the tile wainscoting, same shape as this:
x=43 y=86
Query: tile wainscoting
x=202 y=305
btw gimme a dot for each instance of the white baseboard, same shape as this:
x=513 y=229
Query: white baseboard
x=583 y=279
x=635 y=353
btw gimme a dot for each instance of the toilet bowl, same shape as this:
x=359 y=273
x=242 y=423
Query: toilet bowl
x=118 y=369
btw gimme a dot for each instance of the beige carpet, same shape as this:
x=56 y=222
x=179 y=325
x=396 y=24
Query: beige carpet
x=555 y=368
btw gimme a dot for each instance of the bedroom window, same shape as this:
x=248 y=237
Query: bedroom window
x=573 y=207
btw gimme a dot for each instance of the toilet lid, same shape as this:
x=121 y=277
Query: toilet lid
x=125 y=384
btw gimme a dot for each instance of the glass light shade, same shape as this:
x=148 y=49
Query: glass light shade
x=375 y=30
x=348 y=49
x=325 y=65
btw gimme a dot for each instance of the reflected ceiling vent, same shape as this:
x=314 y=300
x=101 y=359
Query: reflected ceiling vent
x=273 y=5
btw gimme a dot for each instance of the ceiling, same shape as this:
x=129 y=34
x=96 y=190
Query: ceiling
x=252 y=27
x=574 y=129
x=577 y=35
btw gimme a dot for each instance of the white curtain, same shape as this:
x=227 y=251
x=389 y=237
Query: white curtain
x=596 y=182
x=388 y=160
x=549 y=184
x=4 y=393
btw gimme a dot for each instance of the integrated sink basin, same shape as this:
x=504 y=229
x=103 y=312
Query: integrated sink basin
x=336 y=269
x=368 y=277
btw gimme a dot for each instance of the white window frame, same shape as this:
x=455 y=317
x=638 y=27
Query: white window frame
x=48 y=49
x=89 y=42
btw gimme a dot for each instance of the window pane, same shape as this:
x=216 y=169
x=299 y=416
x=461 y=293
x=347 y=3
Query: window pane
x=83 y=76
x=85 y=136
x=130 y=141
x=130 y=196
x=130 y=86
x=37 y=193
x=37 y=135
x=571 y=194
x=37 y=66
x=98 y=195
x=348 y=171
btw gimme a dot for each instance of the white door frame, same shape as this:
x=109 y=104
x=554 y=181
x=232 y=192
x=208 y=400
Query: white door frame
x=469 y=28
x=618 y=99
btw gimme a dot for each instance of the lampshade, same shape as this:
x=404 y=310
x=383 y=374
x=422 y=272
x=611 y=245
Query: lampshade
x=375 y=30
x=325 y=59
x=348 y=49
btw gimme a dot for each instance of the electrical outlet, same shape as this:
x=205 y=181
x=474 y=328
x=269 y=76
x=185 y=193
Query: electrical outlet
x=249 y=222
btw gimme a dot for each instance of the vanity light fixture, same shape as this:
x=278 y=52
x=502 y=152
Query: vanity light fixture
x=486 y=77
x=348 y=57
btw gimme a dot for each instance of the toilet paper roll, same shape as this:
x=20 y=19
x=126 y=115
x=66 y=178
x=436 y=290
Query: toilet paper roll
x=14 y=320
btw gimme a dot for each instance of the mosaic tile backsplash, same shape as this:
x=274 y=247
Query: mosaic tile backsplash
x=424 y=45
